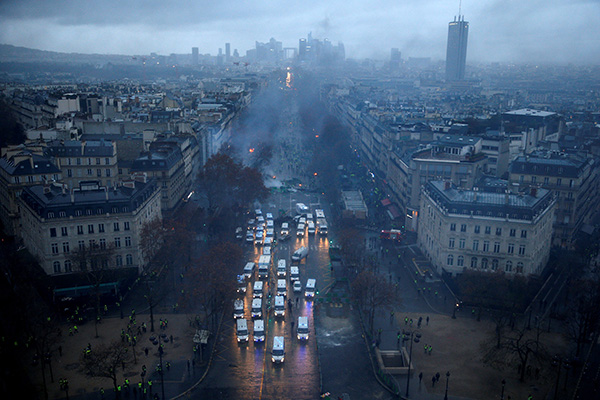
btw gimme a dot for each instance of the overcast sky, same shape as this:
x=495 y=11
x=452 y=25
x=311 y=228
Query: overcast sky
x=533 y=31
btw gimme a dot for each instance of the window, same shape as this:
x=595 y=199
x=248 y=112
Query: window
x=79 y=161
x=107 y=172
x=558 y=182
x=52 y=232
x=126 y=226
x=496 y=247
x=127 y=241
x=463 y=227
x=546 y=180
x=89 y=161
x=519 y=267
x=484 y=263
x=475 y=245
x=68 y=266
x=460 y=261
x=69 y=173
x=119 y=260
x=533 y=179
x=64 y=231
x=461 y=243
x=129 y=259
x=99 y=173
x=102 y=243
x=78 y=213
x=101 y=228
x=522 y=250
x=477 y=228
x=486 y=245
x=107 y=161
x=116 y=227
x=56 y=266
x=90 y=228
x=92 y=243
x=523 y=233
x=97 y=161
x=494 y=264
x=498 y=231
x=488 y=230
x=452 y=227
x=508 y=267
x=80 y=229
x=89 y=171
x=50 y=215
x=62 y=214
x=571 y=183
x=451 y=243
x=511 y=248
x=81 y=245
x=117 y=242
x=512 y=233
x=66 y=248
x=473 y=262
x=54 y=248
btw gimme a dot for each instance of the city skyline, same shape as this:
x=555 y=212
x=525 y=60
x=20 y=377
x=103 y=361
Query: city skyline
x=417 y=29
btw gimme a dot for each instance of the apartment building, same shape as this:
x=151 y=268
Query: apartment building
x=471 y=229
x=58 y=221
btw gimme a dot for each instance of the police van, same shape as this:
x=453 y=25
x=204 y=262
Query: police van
x=302 y=332
x=278 y=352
x=294 y=273
x=249 y=270
x=309 y=290
x=238 y=308
x=279 y=306
x=281 y=287
x=242 y=330
x=256 y=308
x=259 y=330
x=281 y=268
x=257 y=290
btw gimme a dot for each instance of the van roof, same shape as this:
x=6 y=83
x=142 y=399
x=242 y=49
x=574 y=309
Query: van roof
x=294 y=268
x=280 y=282
x=256 y=303
x=249 y=265
x=279 y=300
x=281 y=262
x=242 y=323
x=302 y=321
x=278 y=341
x=311 y=282
x=258 y=284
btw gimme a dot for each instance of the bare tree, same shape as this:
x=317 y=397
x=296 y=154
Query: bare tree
x=93 y=262
x=105 y=360
x=583 y=316
x=372 y=291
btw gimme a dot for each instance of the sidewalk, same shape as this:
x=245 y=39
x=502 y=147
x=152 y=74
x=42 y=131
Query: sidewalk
x=177 y=353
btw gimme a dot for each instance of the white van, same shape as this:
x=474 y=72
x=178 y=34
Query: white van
x=281 y=287
x=264 y=263
x=302 y=332
x=256 y=311
x=270 y=224
x=268 y=241
x=294 y=273
x=249 y=270
x=311 y=228
x=242 y=330
x=269 y=216
x=285 y=229
x=238 y=309
x=300 y=230
x=309 y=217
x=257 y=290
x=259 y=330
x=241 y=284
x=267 y=251
x=270 y=233
x=281 y=268
x=310 y=288
x=278 y=352
x=279 y=306
x=297 y=287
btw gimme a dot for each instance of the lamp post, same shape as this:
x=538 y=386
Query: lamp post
x=454 y=311
x=408 y=335
x=160 y=365
x=447 y=379
x=503 y=384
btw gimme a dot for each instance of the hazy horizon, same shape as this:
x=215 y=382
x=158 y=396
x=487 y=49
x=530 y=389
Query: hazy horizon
x=510 y=31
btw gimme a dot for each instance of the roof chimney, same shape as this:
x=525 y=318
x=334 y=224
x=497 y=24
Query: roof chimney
x=533 y=192
x=446 y=185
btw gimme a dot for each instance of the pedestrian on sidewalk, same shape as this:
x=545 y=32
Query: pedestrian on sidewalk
x=427 y=320
x=420 y=378
x=392 y=316
x=433 y=380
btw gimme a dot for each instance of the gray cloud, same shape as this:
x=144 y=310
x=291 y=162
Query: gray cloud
x=500 y=30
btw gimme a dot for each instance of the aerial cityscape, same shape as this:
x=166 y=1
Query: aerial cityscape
x=309 y=201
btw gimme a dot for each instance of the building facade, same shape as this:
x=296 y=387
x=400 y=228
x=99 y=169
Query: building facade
x=456 y=51
x=58 y=222
x=471 y=229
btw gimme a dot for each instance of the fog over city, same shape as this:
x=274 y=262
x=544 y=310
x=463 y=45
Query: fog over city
x=533 y=31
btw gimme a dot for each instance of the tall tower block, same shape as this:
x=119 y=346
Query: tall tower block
x=456 y=52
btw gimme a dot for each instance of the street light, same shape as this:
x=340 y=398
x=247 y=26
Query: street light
x=160 y=365
x=454 y=311
x=503 y=384
x=447 y=379
x=408 y=335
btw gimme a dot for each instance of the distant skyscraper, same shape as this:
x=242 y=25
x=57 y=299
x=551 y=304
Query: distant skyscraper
x=456 y=52
x=195 y=55
x=227 y=52
x=302 y=49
